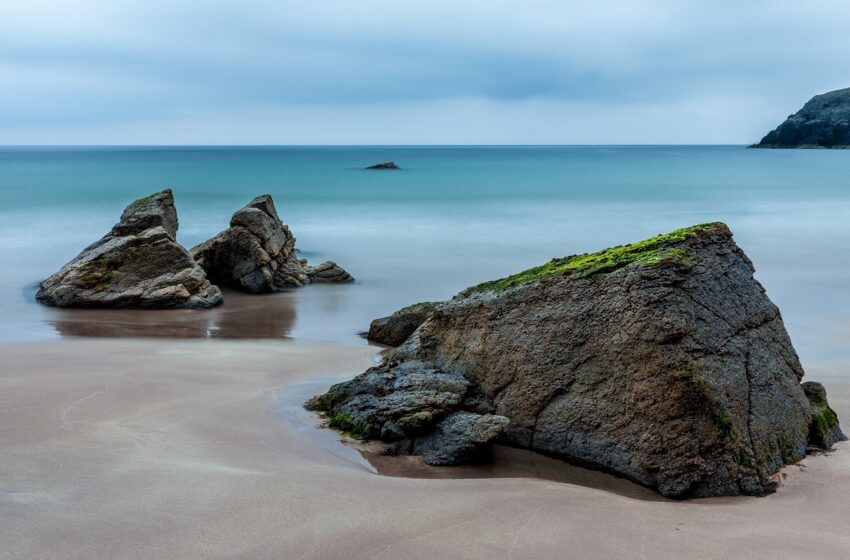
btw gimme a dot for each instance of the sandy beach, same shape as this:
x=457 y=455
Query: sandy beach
x=197 y=449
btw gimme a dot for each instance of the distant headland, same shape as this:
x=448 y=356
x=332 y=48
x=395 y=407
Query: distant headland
x=823 y=122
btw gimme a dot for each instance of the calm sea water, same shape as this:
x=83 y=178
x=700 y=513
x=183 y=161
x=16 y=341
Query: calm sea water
x=452 y=217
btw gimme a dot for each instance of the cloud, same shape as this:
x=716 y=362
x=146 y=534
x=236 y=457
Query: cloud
x=92 y=71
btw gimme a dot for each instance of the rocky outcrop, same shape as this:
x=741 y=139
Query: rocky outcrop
x=662 y=361
x=823 y=122
x=137 y=264
x=394 y=329
x=410 y=403
x=257 y=253
x=328 y=273
x=824 y=430
x=385 y=165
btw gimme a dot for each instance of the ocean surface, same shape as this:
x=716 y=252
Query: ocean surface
x=450 y=218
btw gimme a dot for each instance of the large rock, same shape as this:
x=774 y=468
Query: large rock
x=257 y=253
x=662 y=361
x=823 y=122
x=394 y=329
x=137 y=264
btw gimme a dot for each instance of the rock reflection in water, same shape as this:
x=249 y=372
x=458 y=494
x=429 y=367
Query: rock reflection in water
x=240 y=316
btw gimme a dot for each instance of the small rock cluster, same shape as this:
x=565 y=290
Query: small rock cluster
x=139 y=263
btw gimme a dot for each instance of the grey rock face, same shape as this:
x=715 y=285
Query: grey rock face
x=137 y=264
x=824 y=430
x=257 y=253
x=823 y=122
x=460 y=438
x=396 y=328
x=662 y=361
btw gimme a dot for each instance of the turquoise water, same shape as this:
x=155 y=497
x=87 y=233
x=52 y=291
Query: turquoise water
x=452 y=217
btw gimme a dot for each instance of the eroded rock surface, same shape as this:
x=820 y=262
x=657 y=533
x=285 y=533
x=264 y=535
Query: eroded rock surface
x=137 y=264
x=823 y=122
x=662 y=361
x=394 y=329
x=257 y=253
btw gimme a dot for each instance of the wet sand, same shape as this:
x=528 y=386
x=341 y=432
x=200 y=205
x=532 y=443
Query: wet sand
x=195 y=449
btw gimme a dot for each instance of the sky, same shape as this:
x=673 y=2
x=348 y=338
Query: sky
x=411 y=72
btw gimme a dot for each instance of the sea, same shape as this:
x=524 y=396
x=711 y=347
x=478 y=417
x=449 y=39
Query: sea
x=451 y=217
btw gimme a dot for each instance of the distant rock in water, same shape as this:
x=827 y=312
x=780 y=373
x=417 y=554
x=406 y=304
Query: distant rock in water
x=662 y=361
x=385 y=165
x=394 y=329
x=257 y=253
x=823 y=122
x=137 y=264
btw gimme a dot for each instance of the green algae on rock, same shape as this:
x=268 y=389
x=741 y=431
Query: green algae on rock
x=824 y=431
x=649 y=251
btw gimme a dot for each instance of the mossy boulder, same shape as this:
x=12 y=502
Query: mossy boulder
x=824 y=430
x=662 y=361
x=137 y=264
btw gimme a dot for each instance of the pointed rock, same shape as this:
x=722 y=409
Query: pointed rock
x=257 y=253
x=137 y=264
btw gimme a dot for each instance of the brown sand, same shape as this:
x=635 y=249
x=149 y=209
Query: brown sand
x=172 y=449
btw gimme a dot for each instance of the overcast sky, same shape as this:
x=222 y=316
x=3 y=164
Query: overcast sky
x=410 y=72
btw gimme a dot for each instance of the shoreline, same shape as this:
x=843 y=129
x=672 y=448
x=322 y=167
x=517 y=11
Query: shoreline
x=125 y=448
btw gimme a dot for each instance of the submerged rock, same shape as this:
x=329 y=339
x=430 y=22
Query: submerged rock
x=823 y=122
x=257 y=253
x=662 y=361
x=137 y=264
x=385 y=165
x=394 y=329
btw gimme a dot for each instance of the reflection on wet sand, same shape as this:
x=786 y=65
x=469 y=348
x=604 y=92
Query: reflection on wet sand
x=240 y=316
x=508 y=462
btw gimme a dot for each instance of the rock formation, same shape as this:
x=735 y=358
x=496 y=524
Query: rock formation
x=257 y=253
x=394 y=329
x=327 y=273
x=385 y=165
x=824 y=429
x=137 y=264
x=823 y=122
x=662 y=361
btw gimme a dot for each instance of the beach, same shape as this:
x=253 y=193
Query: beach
x=141 y=448
x=181 y=433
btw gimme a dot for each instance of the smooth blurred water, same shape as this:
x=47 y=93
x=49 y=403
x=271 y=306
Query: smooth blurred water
x=452 y=217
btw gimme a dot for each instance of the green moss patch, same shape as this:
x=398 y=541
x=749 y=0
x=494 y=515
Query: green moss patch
x=145 y=199
x=346 y=423
x=649 y=251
